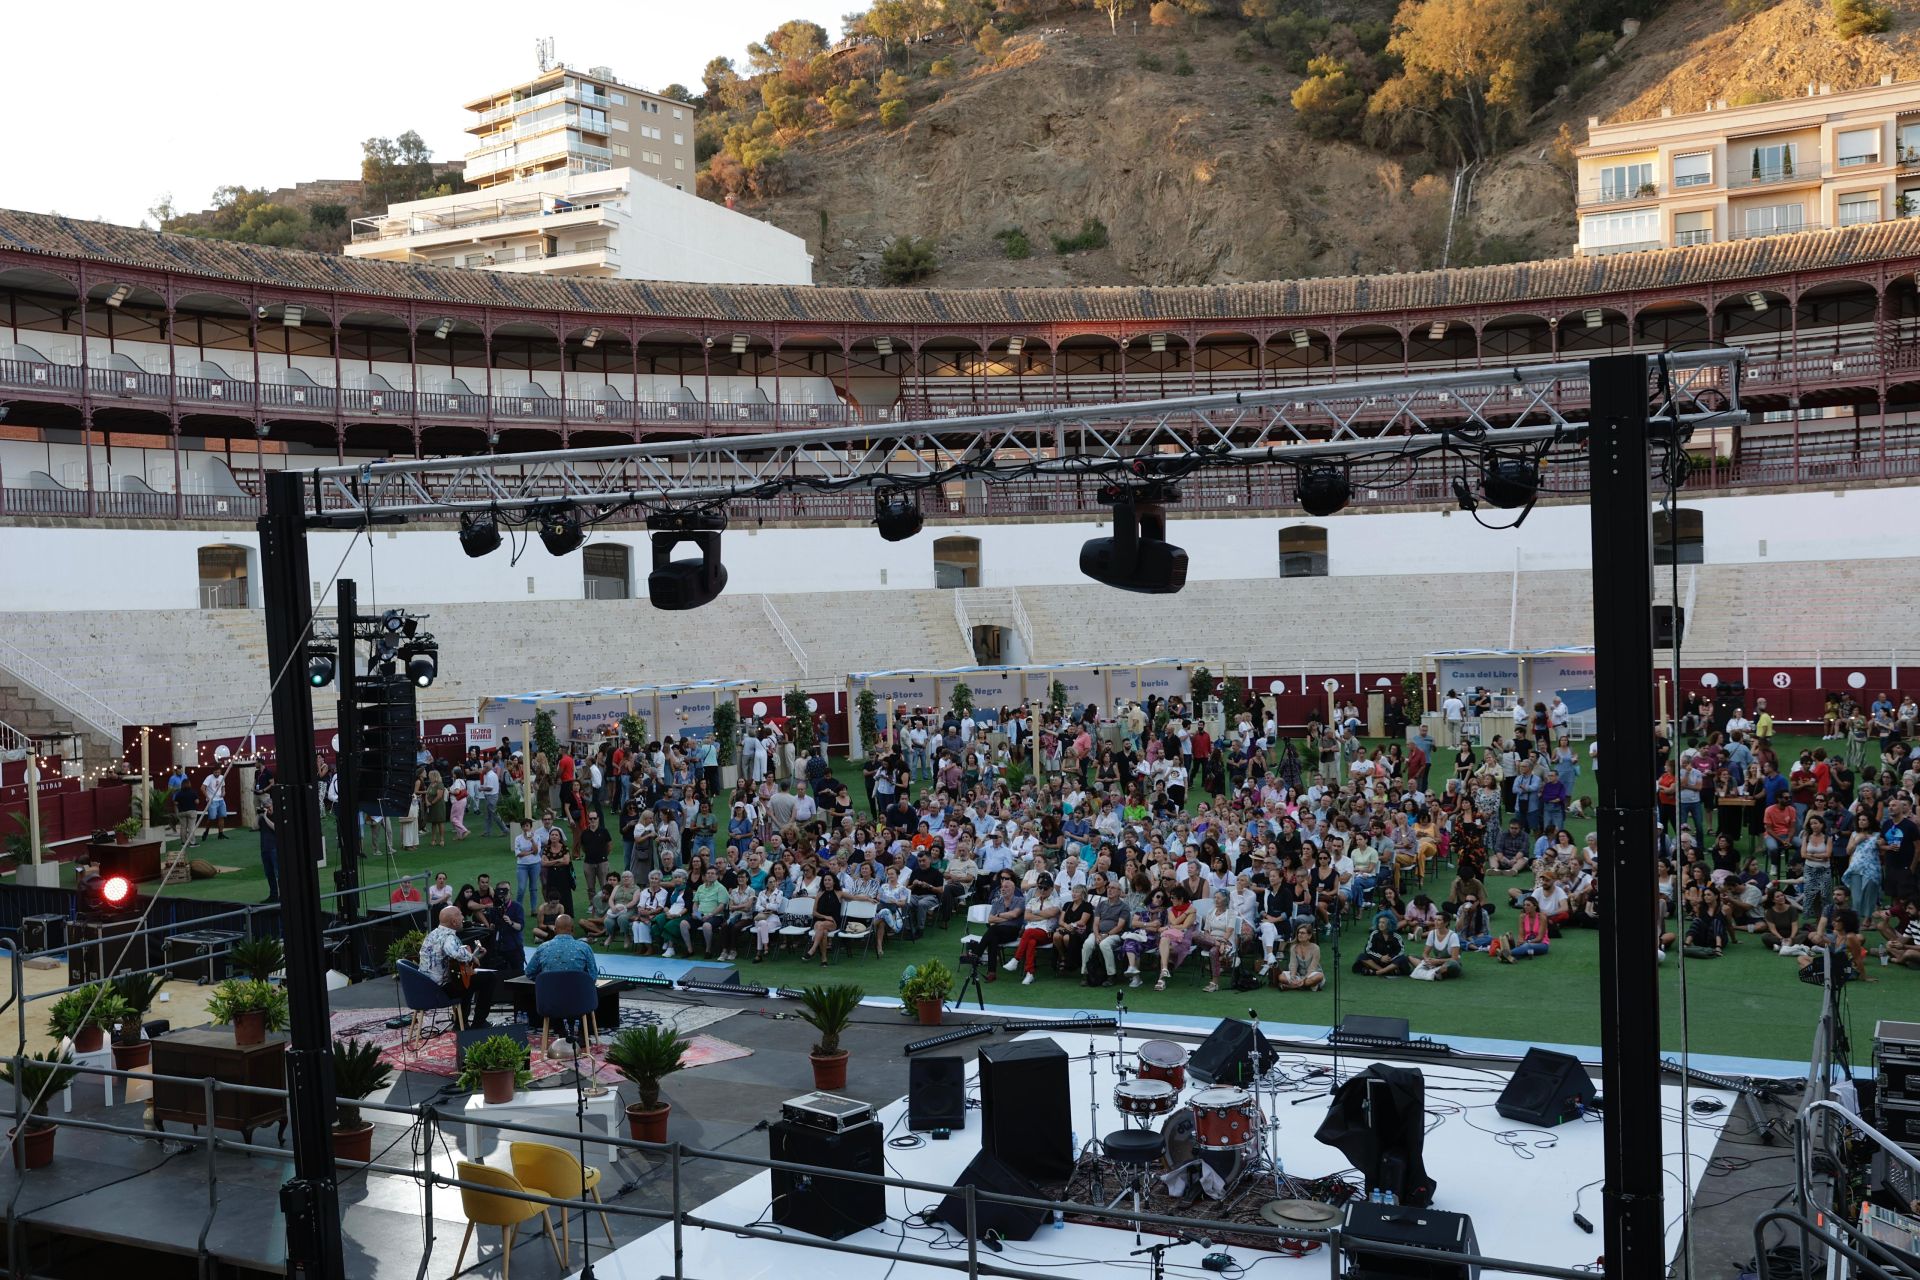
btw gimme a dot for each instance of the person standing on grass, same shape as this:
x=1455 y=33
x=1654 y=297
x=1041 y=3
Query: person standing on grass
x=269 y=848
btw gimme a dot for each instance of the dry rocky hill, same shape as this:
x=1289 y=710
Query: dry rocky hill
x=1208 y=178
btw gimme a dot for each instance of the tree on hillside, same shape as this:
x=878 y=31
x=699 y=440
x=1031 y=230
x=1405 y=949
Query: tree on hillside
x=395 y=169
x=680 y=93
x=792 y=44
x=908 y=259
x=1113 y=9
x=1465 y=70
x=1329 y=102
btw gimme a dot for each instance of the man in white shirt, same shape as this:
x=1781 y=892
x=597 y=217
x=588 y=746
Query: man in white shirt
x=214 y=788
x=489 y=790
x=1519 y=716
x=1452 y=708
x=1558 y=715
x=1738 y=723
x=967 y=726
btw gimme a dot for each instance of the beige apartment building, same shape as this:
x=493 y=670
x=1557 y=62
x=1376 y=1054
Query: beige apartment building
x=1806 y=163
x=569 y=121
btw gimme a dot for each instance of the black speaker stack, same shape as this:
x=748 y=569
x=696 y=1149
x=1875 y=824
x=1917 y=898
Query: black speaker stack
x=1227 y=1056
x=936 y=1094
x=820 y=1206
x=1369 y=1222
x=389 y=743
x=1023 y=1109
x=1007 y=1221
x=1547 y=1089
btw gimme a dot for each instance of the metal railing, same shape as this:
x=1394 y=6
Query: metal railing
x=1593 y=195
x=230 y=594
x=785 y=633
x=607 y=589
x=961 y=620
x=12 y=739
x=70 y=699
x=1022 y=624
x=383 y=227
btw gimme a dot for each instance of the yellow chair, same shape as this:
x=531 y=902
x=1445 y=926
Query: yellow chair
x=504 y=1212
x=552 y=1171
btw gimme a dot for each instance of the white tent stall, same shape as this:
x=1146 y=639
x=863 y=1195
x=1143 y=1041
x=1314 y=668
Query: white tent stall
x=1528 y=675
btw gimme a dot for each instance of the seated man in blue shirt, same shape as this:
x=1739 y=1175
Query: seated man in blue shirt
x=562 y=953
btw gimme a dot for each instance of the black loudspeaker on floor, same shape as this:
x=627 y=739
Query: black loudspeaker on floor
x=827 y=1207
x=1547 y=1089
x=936 y=1093
x=1009 y=1222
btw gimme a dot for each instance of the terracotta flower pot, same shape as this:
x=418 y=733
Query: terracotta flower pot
x=89 y=1039
x=353 y=1145
x=131 y=1057
x=830 y=1071
x=120 y=837
x=34 y=1148
x=647 y=1124
x=931 y=1009
x=497 y=1085
x=250 y=1027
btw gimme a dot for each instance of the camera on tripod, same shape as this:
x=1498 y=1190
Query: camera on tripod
x=973 y=952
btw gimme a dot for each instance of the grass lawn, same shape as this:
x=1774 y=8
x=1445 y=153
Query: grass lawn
x=1749 y=1003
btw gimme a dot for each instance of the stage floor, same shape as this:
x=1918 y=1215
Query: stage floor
x=1520 y=1185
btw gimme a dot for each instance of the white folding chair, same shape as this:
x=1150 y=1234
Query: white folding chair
x=799 y=922
x=861 y=913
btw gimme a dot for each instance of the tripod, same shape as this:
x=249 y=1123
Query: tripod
x=973 y=959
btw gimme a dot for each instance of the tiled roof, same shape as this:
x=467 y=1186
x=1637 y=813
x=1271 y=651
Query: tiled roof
x=1521 y=284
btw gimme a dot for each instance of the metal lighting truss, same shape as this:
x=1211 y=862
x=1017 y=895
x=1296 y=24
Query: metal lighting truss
x=1473 y=410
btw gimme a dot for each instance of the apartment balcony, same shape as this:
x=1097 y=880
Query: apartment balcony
x=591 y=258
x=1795 y=229
x=1595 y=195
x=474 y=221
x=488 y=162
x=1632 y=246
x=1803 y=169
x=1701 y=236
x=520 y=106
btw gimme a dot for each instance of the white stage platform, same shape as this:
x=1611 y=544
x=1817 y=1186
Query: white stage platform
x=1519 y=1184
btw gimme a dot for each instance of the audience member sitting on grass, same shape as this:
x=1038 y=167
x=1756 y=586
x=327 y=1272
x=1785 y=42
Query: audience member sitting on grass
x=1532 y=940
x=1384 y=956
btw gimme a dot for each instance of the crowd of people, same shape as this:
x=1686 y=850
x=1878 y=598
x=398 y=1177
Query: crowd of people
x=1118 y=845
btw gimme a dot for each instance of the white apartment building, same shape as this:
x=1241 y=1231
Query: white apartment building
x=565 y=120
x=1811 y=162
x=614 y=222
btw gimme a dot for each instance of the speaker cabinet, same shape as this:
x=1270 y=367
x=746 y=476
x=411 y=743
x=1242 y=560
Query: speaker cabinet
x=1401 y=1224
x=936 y=1093
x=90 y=959
x=389 y=742
x=827 y=1207
x=1545 y=1089
x=1008 y=1221
x=1023 y=1109
x=1228 y=1055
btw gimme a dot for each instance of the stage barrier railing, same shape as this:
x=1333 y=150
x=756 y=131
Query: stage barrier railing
x=430 y=1118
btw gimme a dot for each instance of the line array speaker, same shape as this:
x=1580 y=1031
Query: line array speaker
x=389 y=742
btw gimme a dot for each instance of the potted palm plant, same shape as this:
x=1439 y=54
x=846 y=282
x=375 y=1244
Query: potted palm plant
x=647 y=1055
x=924 y=993
x=83 y=1016
x=498 y=1067
x=828 y=1010
x=357 y=1072
x=253 y=1008
x=38 y=1077
x=258 y=958
x=131 y=1048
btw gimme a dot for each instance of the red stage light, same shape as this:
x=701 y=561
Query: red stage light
x=115 y=889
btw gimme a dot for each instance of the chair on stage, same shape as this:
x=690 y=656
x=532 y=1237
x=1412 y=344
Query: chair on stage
x=484 y=1209
x=550 y=1171
x=570 y=997
x=423 y=996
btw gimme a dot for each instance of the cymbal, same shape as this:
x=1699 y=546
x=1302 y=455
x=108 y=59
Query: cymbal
x=1299 y=1213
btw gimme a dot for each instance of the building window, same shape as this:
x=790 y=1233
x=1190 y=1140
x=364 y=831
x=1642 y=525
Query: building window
x=679 y=139
x=676 y=113
x=1679 y=539
x=621 y=149
x=1774 y=219
x=956 y=562
x=1858 y=147
x=1640 y=226
x=618 y=99
x=1695 y=170
x=619 y=126
x=649 y=131
x=1626 y=181
x=1772 y=163
x=1693 y=228
x=223 y=577
x=1668 y=621
x=608 y=568
x=1303 y=551
x=1859 y=207
x=679 y=163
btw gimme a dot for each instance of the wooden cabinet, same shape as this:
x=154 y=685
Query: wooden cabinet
x=212 y=1052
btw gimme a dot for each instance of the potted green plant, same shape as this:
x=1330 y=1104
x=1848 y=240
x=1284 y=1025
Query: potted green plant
x=498 y=1067
x=646 y=1056
x=126 y=829
x=962 y=697
x=251 y=1006
x=925 y=993
x=357 y=1072
x=828 y=1010
x=258 y=958
x=726 y=734
x=136 y=991
x=869 y=721
x=83 y=1016
x=405 y=947
x=38 y=1077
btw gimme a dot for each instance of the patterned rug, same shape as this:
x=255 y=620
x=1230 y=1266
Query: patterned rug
x=435 y=1054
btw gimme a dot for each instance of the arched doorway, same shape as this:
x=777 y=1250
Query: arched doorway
x=1679 y=537
x=608 y=569
x=1303 y=551
x=956 y=562
x=223 y=576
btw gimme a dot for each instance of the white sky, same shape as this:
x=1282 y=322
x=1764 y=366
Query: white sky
x=107 y=105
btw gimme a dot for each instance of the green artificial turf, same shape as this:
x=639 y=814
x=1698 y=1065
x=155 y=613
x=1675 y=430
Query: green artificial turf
x=1748 y=1003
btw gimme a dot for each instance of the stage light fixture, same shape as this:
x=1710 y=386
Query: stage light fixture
x=119 y=295
x=897 y=515
x=1138 y=556
x=883 y=345
x=686 y=584
x=393 y=622
x=479 y=534
x=321 y=661
x=444 y=328
x=108 y=895
x=560 y=531
x=1301 y=338
x=593 y=336
x=1758 y=301
x=1324 y=489
x=1436 y=331
x=1509 y=482
x=739 y=344
x=1016 y=345
x=1593 y=317
x=292 y=315
x=423 y=664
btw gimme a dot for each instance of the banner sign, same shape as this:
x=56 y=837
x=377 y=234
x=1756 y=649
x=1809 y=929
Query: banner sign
x=1490 y=671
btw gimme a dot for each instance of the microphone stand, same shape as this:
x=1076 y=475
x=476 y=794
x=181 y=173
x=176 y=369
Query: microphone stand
x=1157 y=1260
x=1333 y=1029
x=580 y=1125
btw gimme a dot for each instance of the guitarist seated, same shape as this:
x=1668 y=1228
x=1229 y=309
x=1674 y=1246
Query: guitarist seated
x=454 y=968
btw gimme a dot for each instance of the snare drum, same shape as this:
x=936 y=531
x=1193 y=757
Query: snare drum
x=1144 y=1097
x=1224 y=1119
x=1164 y=1060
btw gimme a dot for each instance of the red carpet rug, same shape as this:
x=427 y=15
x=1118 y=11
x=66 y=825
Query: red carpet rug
x=434 y=1055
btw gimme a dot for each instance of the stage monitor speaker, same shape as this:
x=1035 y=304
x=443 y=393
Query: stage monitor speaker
x=1007 y=1221
x=1370 y=1223
x=936 y=1093
x=1023 y=1108
x=389 y=744
x=827 y=1207
x=1547 y=1089
x=1225 y=1057
x=465 y=1040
